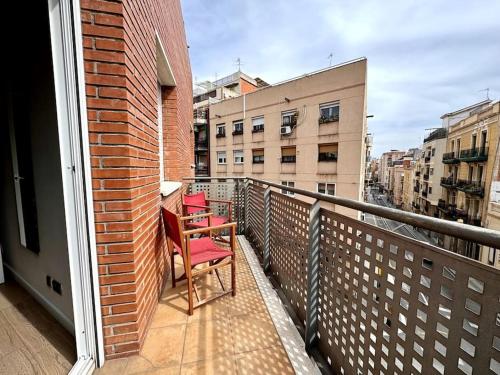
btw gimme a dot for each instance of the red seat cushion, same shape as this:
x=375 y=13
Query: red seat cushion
x=216 y=220
x=204 y=250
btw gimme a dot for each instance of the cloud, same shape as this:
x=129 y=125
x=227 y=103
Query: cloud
x=425 y=58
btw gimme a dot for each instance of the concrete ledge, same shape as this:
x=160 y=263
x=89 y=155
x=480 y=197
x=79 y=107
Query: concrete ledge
x=169 y=187
x=290 y=337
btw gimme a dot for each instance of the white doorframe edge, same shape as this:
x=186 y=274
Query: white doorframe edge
x=67 y=55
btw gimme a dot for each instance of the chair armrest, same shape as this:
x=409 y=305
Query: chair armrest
x=196 y=206
x=190 y=232
x=190 y=217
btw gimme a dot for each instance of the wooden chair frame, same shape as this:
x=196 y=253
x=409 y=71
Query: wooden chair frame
x=207 y=208
x=190 y=274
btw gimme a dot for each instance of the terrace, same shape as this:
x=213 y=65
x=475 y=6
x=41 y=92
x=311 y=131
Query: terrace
x=362 y=299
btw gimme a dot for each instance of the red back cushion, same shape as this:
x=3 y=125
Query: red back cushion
x=196 y=199
x=171 y=226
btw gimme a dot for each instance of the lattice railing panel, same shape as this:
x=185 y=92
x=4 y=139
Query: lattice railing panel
x=392 y=305
x=217 y=190
x=289 y=227
x=255 y=217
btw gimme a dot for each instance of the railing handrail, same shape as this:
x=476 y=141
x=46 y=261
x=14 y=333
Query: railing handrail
x=483 y=236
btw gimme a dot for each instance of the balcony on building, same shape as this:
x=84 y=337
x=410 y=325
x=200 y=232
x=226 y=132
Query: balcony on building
x=448 y=182
x=450 y=158
x=475 y=188
x=477 y=154
x=347 y=283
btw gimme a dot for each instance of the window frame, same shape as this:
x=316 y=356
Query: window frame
x=292 y=114
x=260 y=159
x=325 y=158
x=288 y=184
x=220 y=134
x=219 y=158
x=242 y=157
x=238 y=122
x=326 y=188
x=258 y=128
x=332 y=117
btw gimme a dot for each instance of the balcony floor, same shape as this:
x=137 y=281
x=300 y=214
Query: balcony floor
x=228 y=335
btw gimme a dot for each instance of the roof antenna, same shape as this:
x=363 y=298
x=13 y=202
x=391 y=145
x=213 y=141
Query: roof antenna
x=239 y=64
x=330 y=56
x=487 y=89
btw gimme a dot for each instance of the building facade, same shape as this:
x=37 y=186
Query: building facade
x=206 y=93
x=307 y=132
x=468 y=174
x=385 y=162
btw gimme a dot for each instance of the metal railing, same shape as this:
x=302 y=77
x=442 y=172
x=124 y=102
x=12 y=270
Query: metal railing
x=448 y=182
x=450 y=158
x=474 y=154
x=368 y=299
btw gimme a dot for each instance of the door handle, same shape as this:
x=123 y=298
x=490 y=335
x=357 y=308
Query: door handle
x=18 y=178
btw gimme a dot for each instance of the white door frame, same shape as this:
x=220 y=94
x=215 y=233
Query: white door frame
x=67 y=57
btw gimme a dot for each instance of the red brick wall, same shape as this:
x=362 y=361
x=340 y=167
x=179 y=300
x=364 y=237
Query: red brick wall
x=246 y=86
x=121 y=84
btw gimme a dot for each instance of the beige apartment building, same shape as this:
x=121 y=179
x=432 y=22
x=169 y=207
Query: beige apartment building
x=308 y=132
x=469 y=170
x=386 y=161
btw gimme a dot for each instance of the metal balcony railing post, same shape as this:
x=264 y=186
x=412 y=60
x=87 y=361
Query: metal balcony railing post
x=236 y=195
x=313 y=260
x=246 y=188
x=267 y=229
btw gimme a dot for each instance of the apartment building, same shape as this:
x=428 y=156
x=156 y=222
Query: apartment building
x=408 y=182
x=385 y=162
x=431 y=171
x=206 y=93
x=308 y=132
x=469 y=160
x=493 y=214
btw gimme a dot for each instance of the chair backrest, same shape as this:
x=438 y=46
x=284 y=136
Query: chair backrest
x=196 y=199
x=172 y=227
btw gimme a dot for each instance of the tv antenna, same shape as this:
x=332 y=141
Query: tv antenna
x=239 y=64
x=330 y=57
x=487 y=89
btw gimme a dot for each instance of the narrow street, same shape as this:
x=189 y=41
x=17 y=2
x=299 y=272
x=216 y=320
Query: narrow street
x=394 y=226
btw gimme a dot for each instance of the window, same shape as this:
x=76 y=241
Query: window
x=289 y=118
x=326 y=188
x=491 y=256
x=221 y=157
x=430 y=189
x=433 y=151
x=289 y=184
x=237 y=127
x=288 y=154
x=329 y=112
x=258 y=124
x=258 y=156
x=220 y=131
x=238 y=156
x=327 y=152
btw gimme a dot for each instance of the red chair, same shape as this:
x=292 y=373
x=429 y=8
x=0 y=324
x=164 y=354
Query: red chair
x=196 y=203
x=198 y=252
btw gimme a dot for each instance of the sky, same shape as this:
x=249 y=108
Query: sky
x=425 y=58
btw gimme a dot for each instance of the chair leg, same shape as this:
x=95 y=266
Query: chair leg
x=190 y=295
x=233 y=275
x=172 y=268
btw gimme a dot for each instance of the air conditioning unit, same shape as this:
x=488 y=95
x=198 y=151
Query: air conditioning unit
x=284 y=130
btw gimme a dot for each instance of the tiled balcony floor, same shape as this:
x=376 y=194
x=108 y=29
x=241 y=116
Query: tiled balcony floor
x=227 y=336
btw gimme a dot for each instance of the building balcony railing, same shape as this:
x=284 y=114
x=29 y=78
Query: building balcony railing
x=424 y=193
x=201 y=170
x=362 y=295
x=448 y=182
x=220 y=134
x=450 y=158
x=474 y=154
x=325 y=119
x=471 y=187
x=415 y=205
x=237 y=132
